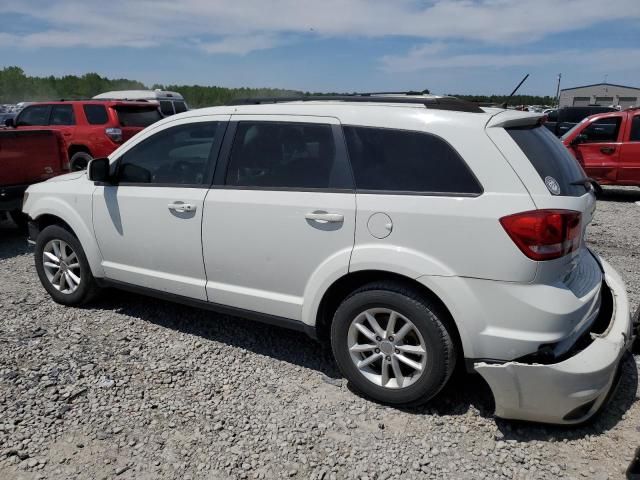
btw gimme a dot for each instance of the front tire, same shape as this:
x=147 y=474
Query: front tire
x=79 y=161
x=392 y=344
x=63 y=268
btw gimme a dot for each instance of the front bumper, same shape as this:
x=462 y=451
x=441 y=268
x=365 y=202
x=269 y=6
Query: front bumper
x=574 y=389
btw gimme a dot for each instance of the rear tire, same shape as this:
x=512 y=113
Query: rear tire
x=79 y=161
x=63 y=268
x=393 y=323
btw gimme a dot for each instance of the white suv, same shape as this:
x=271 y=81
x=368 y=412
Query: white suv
x=413 y=232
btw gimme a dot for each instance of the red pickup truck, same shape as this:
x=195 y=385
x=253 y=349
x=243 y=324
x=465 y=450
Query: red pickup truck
x=607 y=145
x=28 y=157
x=90 y=128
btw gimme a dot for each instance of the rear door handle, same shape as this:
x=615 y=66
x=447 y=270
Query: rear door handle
x=608 y=150
x=325 y=217
x=182 y=207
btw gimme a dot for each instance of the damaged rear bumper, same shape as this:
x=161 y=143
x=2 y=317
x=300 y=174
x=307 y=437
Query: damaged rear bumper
x=572 y=390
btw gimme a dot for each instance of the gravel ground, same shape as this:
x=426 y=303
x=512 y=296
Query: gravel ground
x=131 y=387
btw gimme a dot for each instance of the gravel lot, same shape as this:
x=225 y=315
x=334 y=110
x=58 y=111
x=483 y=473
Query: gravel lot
x=131 y=387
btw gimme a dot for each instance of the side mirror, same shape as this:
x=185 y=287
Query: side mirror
x=579 y=139
x=98 y=169
x=9 y=122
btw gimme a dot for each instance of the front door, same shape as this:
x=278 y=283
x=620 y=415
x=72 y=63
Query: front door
x=281 y=214
x=148 y=224
x=600 y=151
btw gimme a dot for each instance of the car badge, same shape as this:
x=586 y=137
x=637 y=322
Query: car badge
x=553 y=185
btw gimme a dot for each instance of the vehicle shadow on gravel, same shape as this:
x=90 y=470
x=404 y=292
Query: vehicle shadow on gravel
x=13 y=241
x=612 y=194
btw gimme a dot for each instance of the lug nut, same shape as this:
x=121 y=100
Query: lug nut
x=388 y=358
x=397 y=352
x=378 y=339
x=377 y=350
x=391 y=338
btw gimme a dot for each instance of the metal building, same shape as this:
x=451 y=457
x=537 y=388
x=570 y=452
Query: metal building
x=604 y=94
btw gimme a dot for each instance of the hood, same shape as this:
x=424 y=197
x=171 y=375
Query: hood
x=67 y=176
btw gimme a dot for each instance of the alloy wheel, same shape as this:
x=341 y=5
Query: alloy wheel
x=61 y=266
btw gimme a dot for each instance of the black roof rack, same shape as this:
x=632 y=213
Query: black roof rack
x=438 y=103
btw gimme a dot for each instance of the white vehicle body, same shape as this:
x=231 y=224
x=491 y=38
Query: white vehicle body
x=277 y=253
x=169 y=102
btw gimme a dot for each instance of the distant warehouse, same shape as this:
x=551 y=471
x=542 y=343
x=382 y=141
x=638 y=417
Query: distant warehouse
x=604 y=94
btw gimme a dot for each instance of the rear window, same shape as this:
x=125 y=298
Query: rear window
x=550 y=158
x=180 y=107
x=407 y=161
x=96 y=114
x=137 y=117
x=166 y=107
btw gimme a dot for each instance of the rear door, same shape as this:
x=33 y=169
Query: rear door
x=599 y=153
x=63 y=119
x=629 y=171
x=282 y=210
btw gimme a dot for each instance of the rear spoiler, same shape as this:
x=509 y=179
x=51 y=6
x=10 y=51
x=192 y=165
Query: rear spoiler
x=512 y=118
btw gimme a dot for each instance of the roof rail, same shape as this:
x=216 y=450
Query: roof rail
x=437 y=103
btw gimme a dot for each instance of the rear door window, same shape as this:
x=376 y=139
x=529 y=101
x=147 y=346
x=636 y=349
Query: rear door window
x=407 y=162
x=166 y=107
x=603 y=130
x=96 y=114
x=635 y=129
x=550 y=158
x=282 y=155
x=137 y=117
x=62 y=115
x=35 y=115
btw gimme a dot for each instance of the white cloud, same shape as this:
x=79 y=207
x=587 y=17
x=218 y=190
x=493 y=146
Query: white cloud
x=438 y=56
x=241 y=26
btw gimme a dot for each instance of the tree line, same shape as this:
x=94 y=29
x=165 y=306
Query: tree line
x=16 y=86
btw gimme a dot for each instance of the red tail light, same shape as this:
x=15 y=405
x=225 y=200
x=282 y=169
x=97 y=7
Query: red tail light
x=544 y=234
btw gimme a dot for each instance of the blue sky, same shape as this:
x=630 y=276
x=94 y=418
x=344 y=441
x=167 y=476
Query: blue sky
x=448 y=46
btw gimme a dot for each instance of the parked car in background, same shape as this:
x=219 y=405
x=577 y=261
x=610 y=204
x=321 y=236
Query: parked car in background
x=91 y=128
x=169 y=103
x=562 y=120
x=28 y=157
x=607 y=146
x=411 y=232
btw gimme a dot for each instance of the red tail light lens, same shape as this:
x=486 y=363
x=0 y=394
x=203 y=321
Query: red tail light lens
x=545 y=234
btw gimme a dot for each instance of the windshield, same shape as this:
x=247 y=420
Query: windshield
x=137 y=117
x=551 y=159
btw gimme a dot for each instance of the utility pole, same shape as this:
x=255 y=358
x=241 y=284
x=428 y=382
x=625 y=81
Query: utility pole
x=558 y=91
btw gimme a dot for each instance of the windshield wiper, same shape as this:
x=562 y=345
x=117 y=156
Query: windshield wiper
x=586 y=182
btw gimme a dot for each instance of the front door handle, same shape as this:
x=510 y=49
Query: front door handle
x=324 y=217
x=608 y=150
x=182 y=207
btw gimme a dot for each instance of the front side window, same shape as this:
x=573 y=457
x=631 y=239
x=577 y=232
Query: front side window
x=407 y=161
x=603 y=130
x=35 y=115
x=62 y=115
x=635 y=129
x=177 y=156
x=286 y=155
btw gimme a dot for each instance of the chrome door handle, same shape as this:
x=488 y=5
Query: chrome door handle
x=182 y=207
x=325 y=217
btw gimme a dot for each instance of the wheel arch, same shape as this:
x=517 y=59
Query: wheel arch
x=350 y=282
x=76 y=147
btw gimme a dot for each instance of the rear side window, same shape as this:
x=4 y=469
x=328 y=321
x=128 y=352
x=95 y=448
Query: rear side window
x=137 y=117
x=603 y=130
x=635 y=129
x=34 y=115
x=62 y=115
x=96 y=114
x=286 y=155
x=407 y=161
x=179 y=107
x=166 y=107
x=550 y=158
